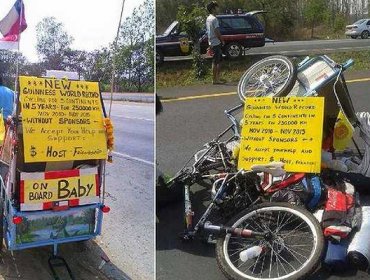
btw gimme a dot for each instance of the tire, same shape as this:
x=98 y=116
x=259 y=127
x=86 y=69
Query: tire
x=233 y=50
x=271 y=76
x=159 y=57
x=283 y=242
x=354 y=37
x=365 y=34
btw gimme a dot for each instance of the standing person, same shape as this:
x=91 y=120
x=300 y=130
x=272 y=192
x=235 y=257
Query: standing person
x=215 y=40
x=6 y=100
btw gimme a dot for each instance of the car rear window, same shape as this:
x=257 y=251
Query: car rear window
x=359 y=21
x=235 y=23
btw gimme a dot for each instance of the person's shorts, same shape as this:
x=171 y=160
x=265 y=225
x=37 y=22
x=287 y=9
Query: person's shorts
x=217 y=53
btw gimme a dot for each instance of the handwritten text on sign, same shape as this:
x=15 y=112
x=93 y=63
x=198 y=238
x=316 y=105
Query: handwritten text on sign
x=43 y=190
x=62 y=120
x=286 y=129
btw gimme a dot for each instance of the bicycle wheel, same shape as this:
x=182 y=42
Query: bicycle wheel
x=291 y=249
x=271 y=76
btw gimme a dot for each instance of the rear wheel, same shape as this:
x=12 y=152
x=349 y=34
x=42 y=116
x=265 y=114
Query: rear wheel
x=354 y=37
x=233 y=50
x=365 y=34
x=271 y=76
x=291 y=249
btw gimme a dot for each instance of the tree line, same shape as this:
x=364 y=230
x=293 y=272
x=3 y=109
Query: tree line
x=133 y=54
x=284 y=19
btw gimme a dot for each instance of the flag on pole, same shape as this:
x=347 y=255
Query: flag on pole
x=12 y=25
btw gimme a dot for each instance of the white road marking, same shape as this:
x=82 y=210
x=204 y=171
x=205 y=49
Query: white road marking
x=133 y=118
x=132 y=158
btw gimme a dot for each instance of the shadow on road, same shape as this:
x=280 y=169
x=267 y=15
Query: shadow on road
x=83 y=258
x=171 y=225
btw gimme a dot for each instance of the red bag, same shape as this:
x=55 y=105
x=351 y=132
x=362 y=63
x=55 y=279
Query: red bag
x=336 y=214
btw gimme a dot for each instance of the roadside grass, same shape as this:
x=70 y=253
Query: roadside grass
x=180 y=73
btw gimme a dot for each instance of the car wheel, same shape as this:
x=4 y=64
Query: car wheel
x=354 y=37
x=233 y=50
x=159 y=58
x=365 y=34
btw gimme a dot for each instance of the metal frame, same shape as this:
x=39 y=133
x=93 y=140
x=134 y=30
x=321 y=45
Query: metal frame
x=10 y=228
x=338 y=68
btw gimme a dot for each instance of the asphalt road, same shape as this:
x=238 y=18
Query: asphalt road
x=181 y=130
x=134 y=133
x=302 y=47
x=128 y=229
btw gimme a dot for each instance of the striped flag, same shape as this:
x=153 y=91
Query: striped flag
x=12 y=25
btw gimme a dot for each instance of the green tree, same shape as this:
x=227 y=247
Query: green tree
x=134 y=53
x=53 y=43
x=97 y=66
x=8 y=66
x=339 y=23
x=192 y=21
x=314 y=13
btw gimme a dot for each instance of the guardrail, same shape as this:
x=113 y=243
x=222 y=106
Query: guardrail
x=132 y=97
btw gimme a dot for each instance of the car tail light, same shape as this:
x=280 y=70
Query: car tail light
x=17 y=220
x=105 y=209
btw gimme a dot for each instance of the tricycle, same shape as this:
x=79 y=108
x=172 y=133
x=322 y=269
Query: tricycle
x=53 y=165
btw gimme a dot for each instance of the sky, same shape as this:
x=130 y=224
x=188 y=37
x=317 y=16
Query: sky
x=92 y=23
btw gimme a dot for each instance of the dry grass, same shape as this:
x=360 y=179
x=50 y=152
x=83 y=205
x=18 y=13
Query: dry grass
x=179 y=73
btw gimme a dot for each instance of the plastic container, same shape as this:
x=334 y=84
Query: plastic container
x=250 y=253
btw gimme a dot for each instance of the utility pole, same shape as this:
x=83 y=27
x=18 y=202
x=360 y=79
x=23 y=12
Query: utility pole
x=114 y=60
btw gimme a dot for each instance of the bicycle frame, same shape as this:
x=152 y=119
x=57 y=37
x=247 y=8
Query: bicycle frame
x=191 y=231
x=216 y=143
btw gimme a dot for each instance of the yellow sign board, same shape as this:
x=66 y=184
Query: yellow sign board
x=44 y=190
x=286 y=129
x=62 y=120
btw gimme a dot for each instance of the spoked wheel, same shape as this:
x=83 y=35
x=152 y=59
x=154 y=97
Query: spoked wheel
x=291 y=249
x=272 y=76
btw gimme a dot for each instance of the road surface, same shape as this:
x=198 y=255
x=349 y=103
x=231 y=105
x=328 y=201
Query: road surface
x=293 y=48
x=182 y=128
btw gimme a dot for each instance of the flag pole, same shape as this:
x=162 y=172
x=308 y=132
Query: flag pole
x=114 y=60
x=13 y=164
x=17 y=60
